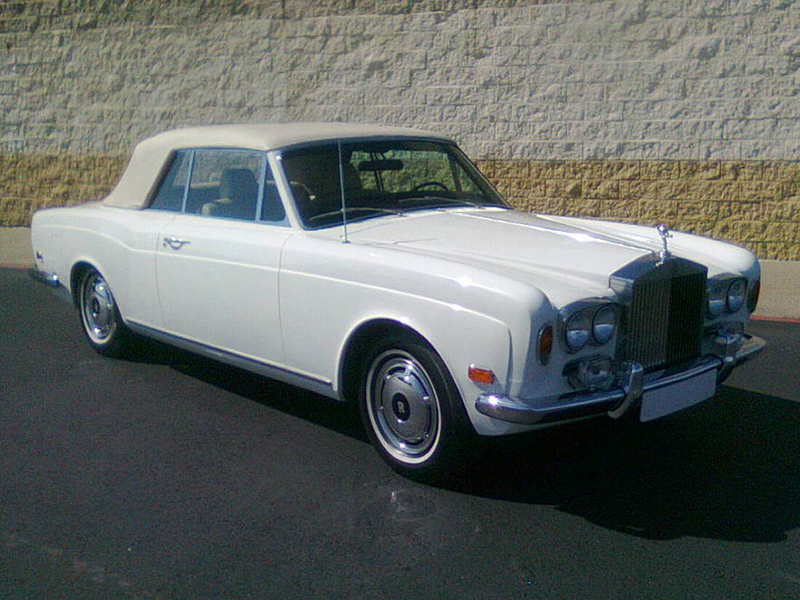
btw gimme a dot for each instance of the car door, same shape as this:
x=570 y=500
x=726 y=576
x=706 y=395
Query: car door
x=218 y=260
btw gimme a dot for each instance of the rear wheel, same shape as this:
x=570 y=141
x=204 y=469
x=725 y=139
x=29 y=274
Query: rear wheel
x=100 y=316
x=412 y=410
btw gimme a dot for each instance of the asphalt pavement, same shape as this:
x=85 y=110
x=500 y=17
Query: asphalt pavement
x=169 y=476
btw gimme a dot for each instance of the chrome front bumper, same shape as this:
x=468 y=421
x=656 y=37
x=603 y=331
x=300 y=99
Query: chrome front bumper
x=620 y=399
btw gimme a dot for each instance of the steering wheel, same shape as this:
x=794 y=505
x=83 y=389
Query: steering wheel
x=430 y=183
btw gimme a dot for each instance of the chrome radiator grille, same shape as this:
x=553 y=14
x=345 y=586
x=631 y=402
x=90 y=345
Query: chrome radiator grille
x=665 y=317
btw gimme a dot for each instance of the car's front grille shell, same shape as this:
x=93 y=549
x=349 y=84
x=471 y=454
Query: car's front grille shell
x=666 y=314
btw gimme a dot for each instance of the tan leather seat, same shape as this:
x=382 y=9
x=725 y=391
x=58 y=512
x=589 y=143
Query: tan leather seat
x=238 y=196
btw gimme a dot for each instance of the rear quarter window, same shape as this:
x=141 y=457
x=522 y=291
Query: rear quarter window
x=170 y=192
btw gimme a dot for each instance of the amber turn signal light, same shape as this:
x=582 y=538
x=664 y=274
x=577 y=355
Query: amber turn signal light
x=545 y=345
x=481 y=376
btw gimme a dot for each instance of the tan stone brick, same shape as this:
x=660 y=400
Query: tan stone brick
x=616 y=209
x=761 y=190
x=791 y=190
x=781 y=170
x=600 y=189
x=742 y=231
x=781 y=232
x=634 y=190
x=582 y=208
x=521 y=187
x=733 y=210
x=659 y=169
x=612 y=169
x=716 y=191
x=741 y=170
x=650 y=211
x=674 y=190
x=512 y=169
x=571 y=188
x=704 y=170
x=487 y=167
x=550 y=206
x=548 y=169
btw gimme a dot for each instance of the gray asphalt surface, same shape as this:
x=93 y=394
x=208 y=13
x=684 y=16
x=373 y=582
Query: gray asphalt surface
x=169 y=476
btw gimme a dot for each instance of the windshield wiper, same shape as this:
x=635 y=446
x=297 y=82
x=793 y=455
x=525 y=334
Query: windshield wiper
x=353 y=209
x=444 y=199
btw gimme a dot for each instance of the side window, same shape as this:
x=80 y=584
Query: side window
x=170 y=192
x=225 y=183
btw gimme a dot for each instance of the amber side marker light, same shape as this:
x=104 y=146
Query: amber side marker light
x=545 y=344
x=482 y=376
x=752 y=297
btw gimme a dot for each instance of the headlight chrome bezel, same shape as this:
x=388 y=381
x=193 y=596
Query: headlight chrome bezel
x=588 y=323
x=736 y=299
x=577 y=331
x=726 y=296
x=604 y=325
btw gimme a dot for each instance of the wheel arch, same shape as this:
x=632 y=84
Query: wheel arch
x=76 y=273
x=79 y=267
x=357 y=347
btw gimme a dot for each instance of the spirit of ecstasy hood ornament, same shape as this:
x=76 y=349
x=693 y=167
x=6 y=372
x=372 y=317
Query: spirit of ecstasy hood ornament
x=663 y=231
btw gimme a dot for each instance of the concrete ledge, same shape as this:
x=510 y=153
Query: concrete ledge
x=15 y=247
x=780 y=280
x=780 y=289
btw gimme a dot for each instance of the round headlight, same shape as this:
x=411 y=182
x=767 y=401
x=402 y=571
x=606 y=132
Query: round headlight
x=604 y=324
x=578 y=331
x=737 y=294
x=716 y=299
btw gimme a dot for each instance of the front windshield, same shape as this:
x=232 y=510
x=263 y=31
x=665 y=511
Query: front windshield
x=380 y=178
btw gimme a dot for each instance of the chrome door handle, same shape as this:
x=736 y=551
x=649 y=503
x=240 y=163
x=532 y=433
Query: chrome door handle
x=175 y=243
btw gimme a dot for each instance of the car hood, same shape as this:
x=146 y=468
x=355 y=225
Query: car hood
x=567 y=259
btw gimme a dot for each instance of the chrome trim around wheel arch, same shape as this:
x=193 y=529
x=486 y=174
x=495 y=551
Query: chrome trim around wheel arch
x=614 y=402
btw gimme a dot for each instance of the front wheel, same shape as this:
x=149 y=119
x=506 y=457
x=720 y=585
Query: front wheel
x=412 y=410
x=100 y=316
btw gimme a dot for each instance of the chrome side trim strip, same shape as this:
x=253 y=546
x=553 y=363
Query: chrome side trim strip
x=306 y=382
x=614 y=402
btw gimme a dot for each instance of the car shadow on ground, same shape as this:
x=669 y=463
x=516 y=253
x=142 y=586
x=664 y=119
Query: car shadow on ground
x=727 y=469
x=314 y=408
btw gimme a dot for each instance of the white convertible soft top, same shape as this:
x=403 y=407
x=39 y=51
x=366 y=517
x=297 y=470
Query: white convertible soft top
x=149 y=155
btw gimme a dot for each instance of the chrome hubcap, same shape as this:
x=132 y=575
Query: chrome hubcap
x=403 y=406
x=97 y=309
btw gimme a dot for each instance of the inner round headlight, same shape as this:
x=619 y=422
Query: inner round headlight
x=604 y=324
x=717 y=294
x=578 y=331
x=737 y=294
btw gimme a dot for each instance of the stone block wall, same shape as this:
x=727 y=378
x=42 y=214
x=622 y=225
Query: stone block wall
x=674 y=110
x=752 y=203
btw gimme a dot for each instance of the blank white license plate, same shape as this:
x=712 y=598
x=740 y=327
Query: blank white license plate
x=683 y=394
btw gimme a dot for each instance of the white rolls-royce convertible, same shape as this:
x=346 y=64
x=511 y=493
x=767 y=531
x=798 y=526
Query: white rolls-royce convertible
x=377 y=265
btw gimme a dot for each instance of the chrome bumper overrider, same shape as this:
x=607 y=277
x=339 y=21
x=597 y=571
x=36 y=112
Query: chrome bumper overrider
x=616 y=401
